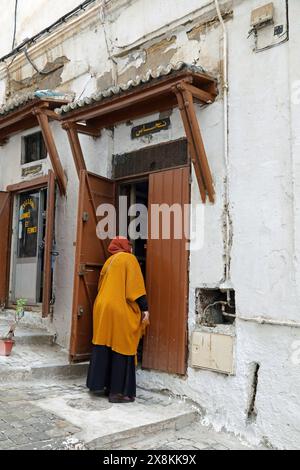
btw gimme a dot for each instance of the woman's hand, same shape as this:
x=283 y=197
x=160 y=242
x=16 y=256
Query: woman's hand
x=145 y=316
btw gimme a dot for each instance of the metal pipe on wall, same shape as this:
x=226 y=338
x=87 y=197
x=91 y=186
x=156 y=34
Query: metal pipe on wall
x=226 y=145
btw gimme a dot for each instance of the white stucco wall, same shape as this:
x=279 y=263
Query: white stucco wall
x=264 y=188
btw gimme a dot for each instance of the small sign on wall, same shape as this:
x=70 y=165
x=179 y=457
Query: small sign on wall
x=32 y=170
x=150 y=128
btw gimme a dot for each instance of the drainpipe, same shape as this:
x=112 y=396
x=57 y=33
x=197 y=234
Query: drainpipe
x=227 y=283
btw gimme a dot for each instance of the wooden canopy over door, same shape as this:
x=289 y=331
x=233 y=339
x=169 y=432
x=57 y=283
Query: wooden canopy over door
x=91 y=254
x=165 y=346
x=177 y=89
x=5 y=230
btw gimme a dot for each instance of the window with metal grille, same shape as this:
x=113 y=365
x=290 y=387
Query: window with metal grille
x=33 y=148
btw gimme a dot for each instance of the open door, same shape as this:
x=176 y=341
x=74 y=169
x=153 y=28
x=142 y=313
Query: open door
x=48 y=245
x=165 y=345
x=5 y=241
x=91 y=254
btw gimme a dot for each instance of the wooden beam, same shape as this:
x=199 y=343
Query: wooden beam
x=88 y=130
x=21 y=114
x=201 y=95
x=164 y=103
x=199 y=145
x=75 y=147
x=43 y=120
x=52 y=115
x=29 y=122
x=191 y=143
x=118 y=103
x=26 y=185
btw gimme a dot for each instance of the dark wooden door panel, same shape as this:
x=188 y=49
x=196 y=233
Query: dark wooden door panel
x=165 y=345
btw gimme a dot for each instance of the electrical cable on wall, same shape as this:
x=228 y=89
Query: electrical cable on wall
x=15 y=24
x=27 y=42
x=41 y=72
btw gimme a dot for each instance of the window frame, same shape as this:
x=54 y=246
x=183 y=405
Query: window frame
x=42 y=149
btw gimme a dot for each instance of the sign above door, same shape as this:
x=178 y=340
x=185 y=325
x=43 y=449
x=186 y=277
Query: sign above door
x=150 y=128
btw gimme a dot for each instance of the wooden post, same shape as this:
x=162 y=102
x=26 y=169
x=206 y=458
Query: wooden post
x=191 y=143
x=75 y=147
x=43 y=120
x=199 y=157
x=47 y=281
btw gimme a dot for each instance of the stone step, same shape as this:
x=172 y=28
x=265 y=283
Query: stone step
x=26 y=335
x=42 y=373
x=64 y=415
x=102 y=425
x=31 y=320
x=35 y=356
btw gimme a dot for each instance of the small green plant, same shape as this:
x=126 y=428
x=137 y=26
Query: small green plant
x=20 y=310
x=19 y=314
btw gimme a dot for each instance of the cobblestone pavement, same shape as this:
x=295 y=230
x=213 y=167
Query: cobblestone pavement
x=24 y=424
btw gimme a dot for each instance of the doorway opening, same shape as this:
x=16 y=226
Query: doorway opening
x=29 y=231
x=136 y=193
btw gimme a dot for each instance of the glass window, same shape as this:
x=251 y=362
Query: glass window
x=28 y=225
x=33 y=148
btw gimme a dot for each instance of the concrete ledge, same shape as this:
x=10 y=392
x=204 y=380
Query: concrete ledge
x=119 y=439
x=44 y=373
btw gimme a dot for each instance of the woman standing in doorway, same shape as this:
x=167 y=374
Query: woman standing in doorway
x=119 y=320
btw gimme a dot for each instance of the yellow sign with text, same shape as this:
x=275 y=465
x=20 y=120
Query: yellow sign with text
x=32 y=230
x=26 y=215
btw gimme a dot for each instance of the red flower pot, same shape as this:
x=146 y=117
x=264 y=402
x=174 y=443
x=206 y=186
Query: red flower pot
x=6 y=346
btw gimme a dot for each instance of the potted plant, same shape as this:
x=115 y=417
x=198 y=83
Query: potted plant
x=7 y=341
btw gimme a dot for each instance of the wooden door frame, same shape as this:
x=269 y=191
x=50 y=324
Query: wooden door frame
x=14 y=190
x=8 y=255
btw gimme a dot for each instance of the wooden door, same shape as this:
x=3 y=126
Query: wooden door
x=91 y=254
x=5 y=243
x=165 y=345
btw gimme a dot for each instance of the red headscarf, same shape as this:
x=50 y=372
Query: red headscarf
x=119 y=245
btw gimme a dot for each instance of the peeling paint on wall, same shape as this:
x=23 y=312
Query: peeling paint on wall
x=50 y=78
x=211 y=21
x=159 y=53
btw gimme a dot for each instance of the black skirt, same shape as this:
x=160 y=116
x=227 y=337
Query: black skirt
x=111 y=372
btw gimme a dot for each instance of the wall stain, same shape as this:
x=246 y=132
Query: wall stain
x=37 y=81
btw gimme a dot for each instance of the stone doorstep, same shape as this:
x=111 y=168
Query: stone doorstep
x=124 y=438
x=33 y=320
x=28 y=335
x=45 y=373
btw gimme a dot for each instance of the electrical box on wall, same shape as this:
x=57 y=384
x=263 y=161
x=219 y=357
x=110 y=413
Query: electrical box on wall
x=213 y=351
x=262 y=15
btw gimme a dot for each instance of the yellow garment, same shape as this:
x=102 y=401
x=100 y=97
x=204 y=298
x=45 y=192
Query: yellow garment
x=117 y=317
